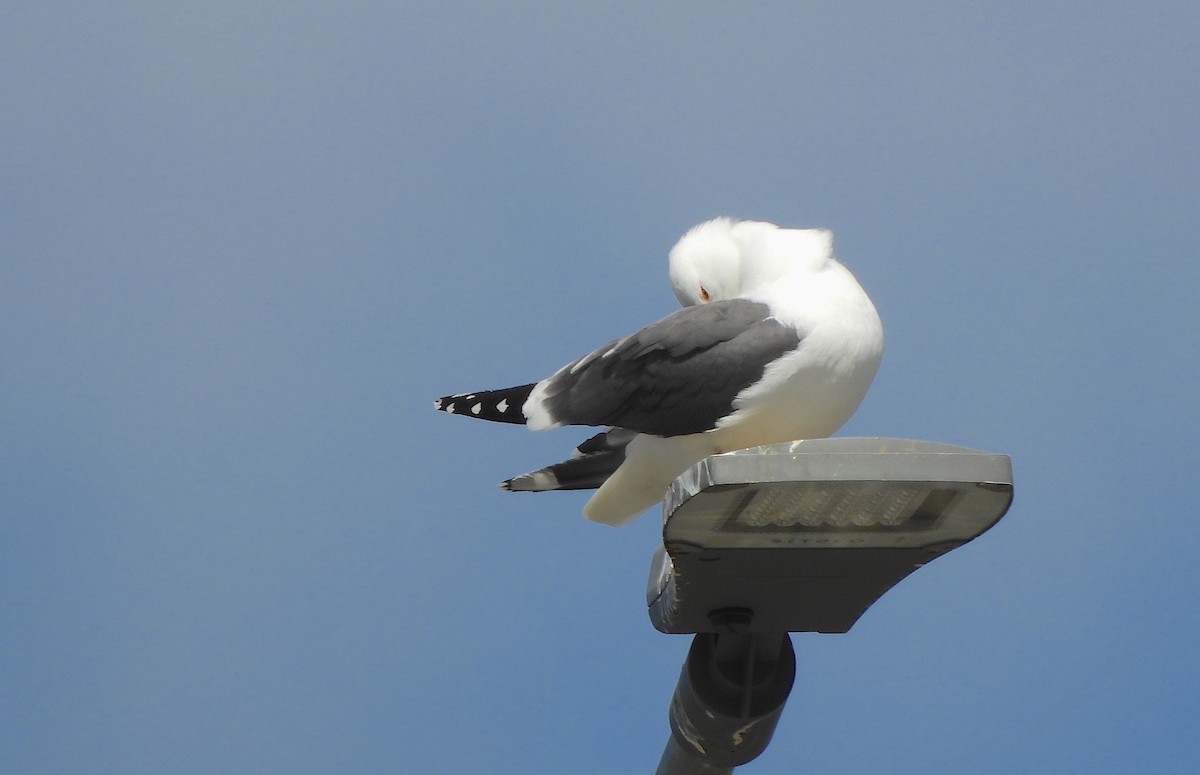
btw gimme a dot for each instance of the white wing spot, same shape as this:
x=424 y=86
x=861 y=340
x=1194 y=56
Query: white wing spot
x=502 y=406
x=448 y=407
x=476 y=408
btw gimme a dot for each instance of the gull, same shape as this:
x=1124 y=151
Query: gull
x=776 y=341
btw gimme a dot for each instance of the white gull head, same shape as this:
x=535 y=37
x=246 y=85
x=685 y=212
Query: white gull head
x=727 y=259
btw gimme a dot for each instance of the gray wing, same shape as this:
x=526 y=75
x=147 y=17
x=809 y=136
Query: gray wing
x=677 y=376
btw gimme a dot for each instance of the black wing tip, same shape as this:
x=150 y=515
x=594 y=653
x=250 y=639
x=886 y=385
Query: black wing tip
x=523 y=483
x=495 y=405
x=453 y=404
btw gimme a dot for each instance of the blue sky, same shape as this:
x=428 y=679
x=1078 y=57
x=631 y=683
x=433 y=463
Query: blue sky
x=243 y=247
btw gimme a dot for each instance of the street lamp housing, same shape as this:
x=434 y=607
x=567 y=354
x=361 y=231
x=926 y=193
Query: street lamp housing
x=804 y=536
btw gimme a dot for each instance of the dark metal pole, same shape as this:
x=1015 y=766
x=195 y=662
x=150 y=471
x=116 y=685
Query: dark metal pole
x=677 y=761
x=730 y=695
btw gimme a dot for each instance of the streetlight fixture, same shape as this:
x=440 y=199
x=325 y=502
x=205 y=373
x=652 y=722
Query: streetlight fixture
x=796 y=537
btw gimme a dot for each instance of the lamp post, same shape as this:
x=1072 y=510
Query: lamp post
x=796 y=537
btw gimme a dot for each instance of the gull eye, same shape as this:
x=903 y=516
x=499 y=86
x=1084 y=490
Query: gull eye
x=704 y=294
